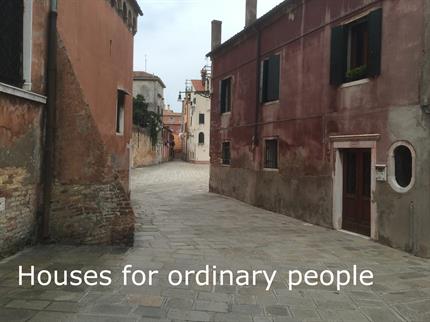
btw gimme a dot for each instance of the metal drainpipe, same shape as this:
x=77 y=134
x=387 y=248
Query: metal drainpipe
x=50 y=119
x=257 y=103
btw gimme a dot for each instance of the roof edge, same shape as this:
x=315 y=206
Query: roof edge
x=137 y=7
x=254 y=27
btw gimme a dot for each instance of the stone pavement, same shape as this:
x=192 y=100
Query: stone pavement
x=181 y=226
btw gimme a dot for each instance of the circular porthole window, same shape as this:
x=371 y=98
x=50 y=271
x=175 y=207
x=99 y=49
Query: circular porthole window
x=402 y=167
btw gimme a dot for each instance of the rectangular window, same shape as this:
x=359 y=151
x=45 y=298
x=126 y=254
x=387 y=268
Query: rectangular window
x=11 y=42
x=226 y=153
x=120 y=112
x=356 y=49
x=226 y=95
x=271 y=154
x=201 y=118
x=270 y=79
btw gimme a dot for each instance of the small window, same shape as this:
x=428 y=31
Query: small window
x=201 y=138
x=201 y=118
x=226 y=153
x=120 y=112
x=270 y=79
x=226 y=95
x=271 y=154
x=403 y=166
x=356 y=49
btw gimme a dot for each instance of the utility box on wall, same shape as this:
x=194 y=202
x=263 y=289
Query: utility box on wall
x=381 y=172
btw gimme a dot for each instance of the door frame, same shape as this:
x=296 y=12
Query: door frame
x=363 y=141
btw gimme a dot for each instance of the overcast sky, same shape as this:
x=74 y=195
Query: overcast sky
x=175 y=37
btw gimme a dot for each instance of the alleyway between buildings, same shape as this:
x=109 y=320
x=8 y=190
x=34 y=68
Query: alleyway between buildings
x=182 y=226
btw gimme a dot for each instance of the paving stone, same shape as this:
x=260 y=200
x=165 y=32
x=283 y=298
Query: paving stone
x=13 y=315
x=214 y=297
x=277 y=310
x=27 y=304
x=176 y=314
x=211 y=306
x=110 y=309
x=148 y=312
x=53 y=317
x=229 y=317
x=71 y=307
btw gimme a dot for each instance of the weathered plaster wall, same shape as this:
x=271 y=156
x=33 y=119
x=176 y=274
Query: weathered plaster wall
x=21 y=135
x=144 y=153
x=20 y=161
x=309 y=111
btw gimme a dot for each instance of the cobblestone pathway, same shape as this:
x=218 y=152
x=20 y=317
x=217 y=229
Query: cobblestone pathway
x=181 y=226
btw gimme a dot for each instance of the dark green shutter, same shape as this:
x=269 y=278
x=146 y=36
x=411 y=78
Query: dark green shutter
x=265 y=80
x=375 y=41
x=223 y=97
x=338 y=55
x=274 y=65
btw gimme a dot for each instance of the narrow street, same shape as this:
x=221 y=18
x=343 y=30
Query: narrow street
x=182 y=226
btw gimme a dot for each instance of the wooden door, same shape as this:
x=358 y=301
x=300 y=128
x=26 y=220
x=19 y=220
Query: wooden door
x=356 y=190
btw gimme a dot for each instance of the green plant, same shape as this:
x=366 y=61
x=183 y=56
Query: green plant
x=356 y=73
x=146 y=119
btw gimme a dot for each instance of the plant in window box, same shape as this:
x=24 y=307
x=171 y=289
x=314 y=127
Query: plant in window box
x=356 y=73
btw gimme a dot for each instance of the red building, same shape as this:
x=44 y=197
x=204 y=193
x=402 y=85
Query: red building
x=320 y=110
x=66 y=121
x=173 y=121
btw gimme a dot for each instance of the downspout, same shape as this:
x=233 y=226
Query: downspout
x=255 y=140
x=50 y=120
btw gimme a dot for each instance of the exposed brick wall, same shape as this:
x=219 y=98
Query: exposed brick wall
x=91 y=214
x=18 y=221
x=20 y=161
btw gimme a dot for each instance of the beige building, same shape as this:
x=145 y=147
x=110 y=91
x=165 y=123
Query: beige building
x=196 y=109
x=145 y=151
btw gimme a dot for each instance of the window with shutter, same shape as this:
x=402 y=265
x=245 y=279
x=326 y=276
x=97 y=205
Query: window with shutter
x=270 y=81
x=225 y=95
x=356 y=49
x=11 y=42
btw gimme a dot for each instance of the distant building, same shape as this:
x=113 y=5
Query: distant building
x=196 y=110
x=173 y=121
x=64 y=156
x=321 y=111
x=145 y=152
x=151 y=87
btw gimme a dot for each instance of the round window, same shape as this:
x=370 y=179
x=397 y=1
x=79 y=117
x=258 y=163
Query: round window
x=402 y=167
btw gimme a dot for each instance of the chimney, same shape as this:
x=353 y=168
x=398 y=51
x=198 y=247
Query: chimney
x=216 y=33
x=251 y=12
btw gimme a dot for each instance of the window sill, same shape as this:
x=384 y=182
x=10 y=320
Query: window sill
x=22 y=93
x=356 y=83
x=119 y=134
x=225 y=165
x=226 y=113
x=271 y=169
x=270 y=103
